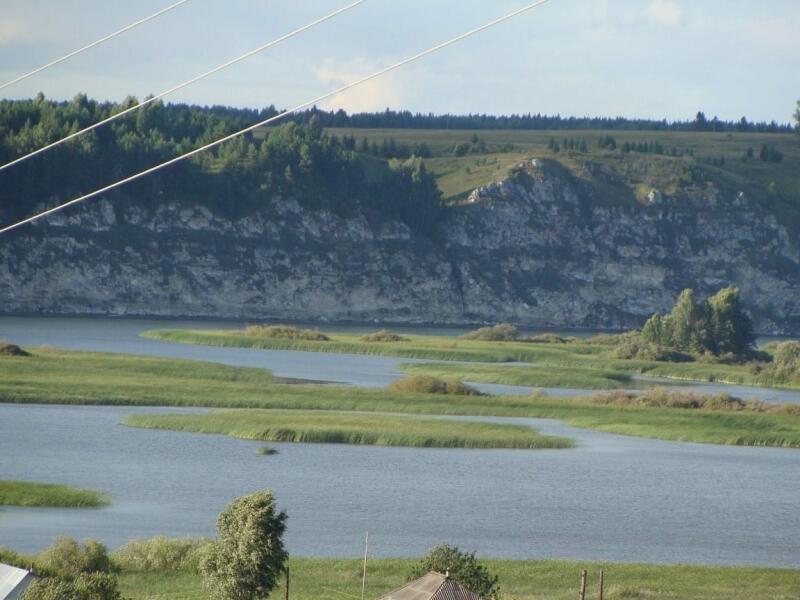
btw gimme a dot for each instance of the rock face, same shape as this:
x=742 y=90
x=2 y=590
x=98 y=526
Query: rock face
x=541 y=248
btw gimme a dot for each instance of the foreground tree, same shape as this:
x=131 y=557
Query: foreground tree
x=463 y=568
x=248 y=557
x=797 y=116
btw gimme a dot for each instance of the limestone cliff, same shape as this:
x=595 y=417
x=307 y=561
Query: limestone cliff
x=542 y=248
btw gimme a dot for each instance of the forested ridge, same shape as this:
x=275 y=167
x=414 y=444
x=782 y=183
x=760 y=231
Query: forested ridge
x=294 y=160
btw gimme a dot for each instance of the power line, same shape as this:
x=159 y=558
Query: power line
x=93 y=44
x=186 y=83
x=285 y=113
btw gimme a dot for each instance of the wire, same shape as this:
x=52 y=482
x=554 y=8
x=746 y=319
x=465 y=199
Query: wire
x=93 y=44
x=185 y=84
x=265 y=122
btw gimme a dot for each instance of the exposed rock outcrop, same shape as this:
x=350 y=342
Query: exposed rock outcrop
x=540 y=248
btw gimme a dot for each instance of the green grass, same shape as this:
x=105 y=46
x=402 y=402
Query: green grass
x=576 y=364
x=331 y=579
x=457 y=177
x=351 y=428
x=63 y=377
x=533 y=376
x=27 y=493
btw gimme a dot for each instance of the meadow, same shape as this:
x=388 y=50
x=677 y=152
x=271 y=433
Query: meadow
x=66 y=377
x=329 y=579
x=34 y=494
x=459 y=176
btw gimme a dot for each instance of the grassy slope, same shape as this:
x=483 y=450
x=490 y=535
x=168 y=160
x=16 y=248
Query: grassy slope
x=27 y=493
x=323 y=579
x=457 y=177
x=576 y=364
x=61 y=377
x=351 y=428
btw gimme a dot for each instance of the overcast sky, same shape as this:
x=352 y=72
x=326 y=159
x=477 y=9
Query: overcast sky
x=636 y=58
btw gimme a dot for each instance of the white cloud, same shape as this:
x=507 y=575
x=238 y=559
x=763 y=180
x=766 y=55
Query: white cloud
x=373 y=95
x=13 y=30
x=665 y=12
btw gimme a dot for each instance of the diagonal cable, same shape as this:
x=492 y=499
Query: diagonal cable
x=285 y=113
x=93 y=44
x=180 y=86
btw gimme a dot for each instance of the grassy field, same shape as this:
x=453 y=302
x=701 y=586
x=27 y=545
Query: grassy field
x=533 y=376
x=331 y=579
x=27 y=493
x=351 y=428
x=575 y=364
x=63 y=377
x=458 y=176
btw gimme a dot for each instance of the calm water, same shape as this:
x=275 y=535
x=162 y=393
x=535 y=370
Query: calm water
x=122 y=335
x=612 y=498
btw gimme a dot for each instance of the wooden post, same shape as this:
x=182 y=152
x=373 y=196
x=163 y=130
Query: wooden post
x=286 y=573
x=583 y=585
x=601 y=584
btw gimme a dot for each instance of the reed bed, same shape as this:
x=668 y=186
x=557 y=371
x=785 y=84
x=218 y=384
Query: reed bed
x=32 y=494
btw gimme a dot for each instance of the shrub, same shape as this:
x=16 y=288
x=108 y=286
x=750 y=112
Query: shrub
x=631 y=346
x=426 y=384
x=384 y=335
x=67 y=558
x=548 y=338
x=503 y=332
x=659 y=397
x=160 y=554
x=463 y=568
x=85 y=586
x=12 y=350
x=285 y=332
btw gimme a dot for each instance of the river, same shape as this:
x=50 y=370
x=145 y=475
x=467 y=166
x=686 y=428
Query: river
x=611 y=498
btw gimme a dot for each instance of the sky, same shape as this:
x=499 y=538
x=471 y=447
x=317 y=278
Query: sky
x=634 y=58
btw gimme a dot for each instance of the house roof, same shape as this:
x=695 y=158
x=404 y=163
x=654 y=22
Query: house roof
x=433 y=586
x=13 y=580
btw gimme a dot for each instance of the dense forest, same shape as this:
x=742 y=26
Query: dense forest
x=294 y=160
x=390 y=119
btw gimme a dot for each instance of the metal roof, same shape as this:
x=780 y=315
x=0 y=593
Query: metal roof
x=433 y=586
x=13 y=581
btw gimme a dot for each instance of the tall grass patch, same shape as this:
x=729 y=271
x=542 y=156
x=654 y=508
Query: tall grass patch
x=351 y=428
x=28 y=493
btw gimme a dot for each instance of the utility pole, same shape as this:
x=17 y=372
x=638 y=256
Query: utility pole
x=364 y=578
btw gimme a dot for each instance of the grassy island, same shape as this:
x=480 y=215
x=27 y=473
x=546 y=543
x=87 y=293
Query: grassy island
x=28 y=493
x=66 y=377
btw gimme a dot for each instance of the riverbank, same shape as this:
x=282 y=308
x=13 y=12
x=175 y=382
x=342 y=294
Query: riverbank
x=82 y=378
x=35 y=494
x=323 y=579
x=571 y=362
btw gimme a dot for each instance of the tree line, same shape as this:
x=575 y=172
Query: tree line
x=392 y=119
x=293 y=160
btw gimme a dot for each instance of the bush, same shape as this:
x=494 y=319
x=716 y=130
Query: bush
x=160 y=554
x=425 y=384
x=659 y=397
x=384 y=335
x=548 y=338
x=86 y=586
x=463 y=568
x=631 y=346
x=11 y=350
x=67 y=558
x=503 y=332
x=285 y=332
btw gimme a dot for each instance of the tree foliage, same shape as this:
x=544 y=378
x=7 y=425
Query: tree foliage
x=463 y=568
x=291 y=161
x=247 y=558
x=717 y=326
